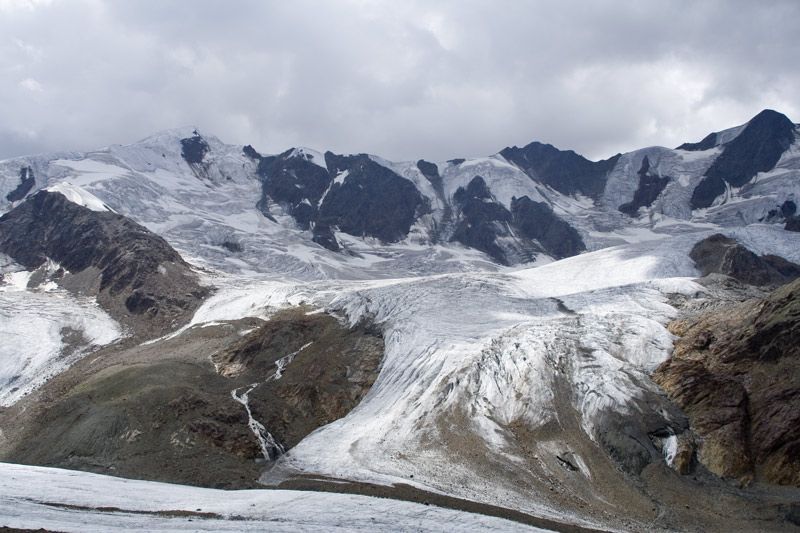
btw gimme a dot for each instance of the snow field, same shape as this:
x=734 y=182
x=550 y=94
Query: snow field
x=64 y=500
x=33 y=326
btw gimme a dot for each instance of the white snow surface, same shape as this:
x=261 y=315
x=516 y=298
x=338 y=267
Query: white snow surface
x=65 y=500
x=33 y=325
x=78 y=196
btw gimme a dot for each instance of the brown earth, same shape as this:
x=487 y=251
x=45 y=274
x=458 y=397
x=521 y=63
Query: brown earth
x=735 y=372
x=163 y=412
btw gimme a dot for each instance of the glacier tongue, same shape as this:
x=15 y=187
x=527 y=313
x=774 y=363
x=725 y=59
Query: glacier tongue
x=475 y=357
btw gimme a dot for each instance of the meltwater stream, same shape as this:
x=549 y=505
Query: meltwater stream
x=271 y=449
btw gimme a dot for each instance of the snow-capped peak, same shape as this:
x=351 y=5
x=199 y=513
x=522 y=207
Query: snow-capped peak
x=172 y=134
x=310 y=155
x=79 y=196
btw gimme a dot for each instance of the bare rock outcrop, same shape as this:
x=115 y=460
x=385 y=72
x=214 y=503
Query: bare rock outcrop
x=735 y=373
x=135 y=274
x=719 y=254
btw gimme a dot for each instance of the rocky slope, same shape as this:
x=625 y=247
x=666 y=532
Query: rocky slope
x=735 y=373
x=134 y=273
x=719 y=254
x=758 y=148
x=209 y=407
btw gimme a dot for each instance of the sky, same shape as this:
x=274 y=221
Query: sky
x=402 y=79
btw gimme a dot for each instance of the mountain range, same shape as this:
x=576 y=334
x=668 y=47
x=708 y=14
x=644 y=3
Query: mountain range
x=560 y=343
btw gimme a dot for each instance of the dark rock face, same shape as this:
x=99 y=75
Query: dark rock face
x=723 y=255
x=756 y=149
x=26 y=182
x=564 y=171
x=788 y=208
x=706 y=192
x=650 y=186
x=537 y=221
x=530 y=227
x=371 y=201
x=251 y=152
x=735 y=374
x=708 y=142
x=793 y=224
x=431 y=172
x=323 y=235
x=194 y=149
x=134 y=267
x=482 y=220
x=296 y=183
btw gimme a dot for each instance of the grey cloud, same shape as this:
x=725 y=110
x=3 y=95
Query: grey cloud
x=401 y=79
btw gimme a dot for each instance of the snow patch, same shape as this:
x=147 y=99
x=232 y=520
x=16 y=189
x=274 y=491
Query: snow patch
x=43 y=334
x=79 y=196
x=310 y=155
x=670 y=449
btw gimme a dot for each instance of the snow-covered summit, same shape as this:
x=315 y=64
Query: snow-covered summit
x=522 y=298
x=78 y=196
x=309 y=215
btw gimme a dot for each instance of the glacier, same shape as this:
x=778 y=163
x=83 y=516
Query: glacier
x=499 y=383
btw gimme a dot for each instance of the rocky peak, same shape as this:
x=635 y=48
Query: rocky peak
x=134 y=273
x=26 y=182
x=251 y=152
x=565 y=171
x=194 y=148
x=756 y=149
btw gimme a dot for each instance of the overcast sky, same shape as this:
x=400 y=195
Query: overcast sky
x=403 y=79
